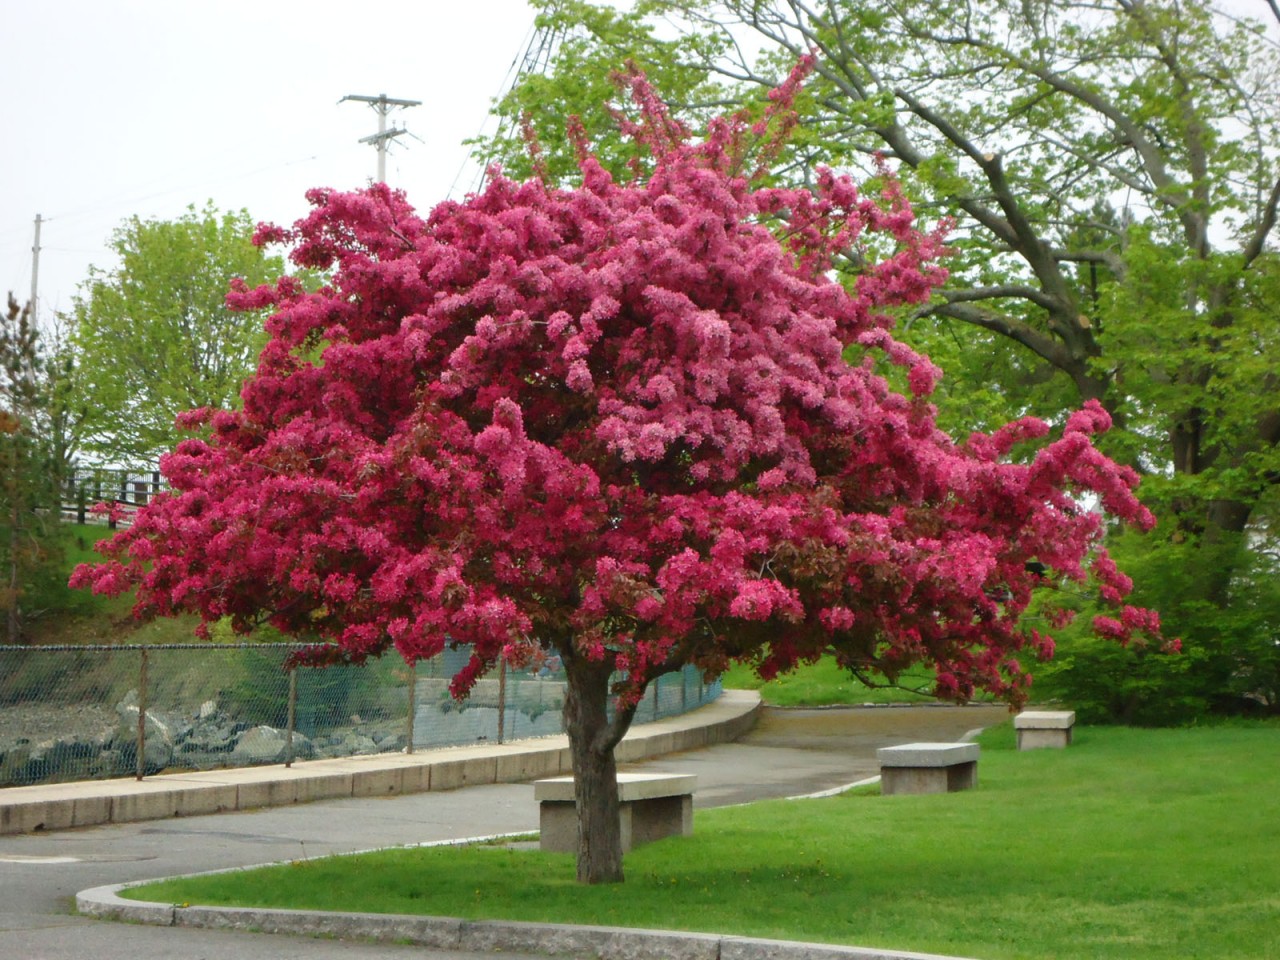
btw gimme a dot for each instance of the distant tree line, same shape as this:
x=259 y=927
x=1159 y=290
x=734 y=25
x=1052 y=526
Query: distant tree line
x=101 y=386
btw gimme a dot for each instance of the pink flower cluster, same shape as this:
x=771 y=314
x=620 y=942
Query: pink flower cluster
x=618 y=422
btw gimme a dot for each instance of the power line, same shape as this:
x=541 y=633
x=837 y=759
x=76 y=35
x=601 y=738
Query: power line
x=382 y=105
x=131 y=197
x=534 y=57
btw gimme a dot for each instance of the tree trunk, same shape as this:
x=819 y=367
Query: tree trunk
x=1224 y=535
x=14 y=612
x=595 y=773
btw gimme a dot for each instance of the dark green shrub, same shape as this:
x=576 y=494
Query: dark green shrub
x=1230 y=658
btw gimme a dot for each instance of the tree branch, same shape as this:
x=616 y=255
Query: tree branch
x=1108 y=259
x=1167 y=188
x=611 y=735
x=1041 y=344
x=1019 y=291
x=1253 y=249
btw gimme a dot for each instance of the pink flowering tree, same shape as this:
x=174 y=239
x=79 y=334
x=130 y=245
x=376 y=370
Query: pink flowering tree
x=628 y=425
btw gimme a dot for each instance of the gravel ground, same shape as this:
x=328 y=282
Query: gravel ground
x=38 y=722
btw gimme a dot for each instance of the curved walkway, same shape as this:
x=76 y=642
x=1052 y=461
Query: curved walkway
x=788 y=753
x=58 y=806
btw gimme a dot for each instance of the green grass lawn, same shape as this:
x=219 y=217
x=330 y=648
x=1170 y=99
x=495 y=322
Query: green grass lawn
x=79 y=617
x=824 y=684
x=1131 y=844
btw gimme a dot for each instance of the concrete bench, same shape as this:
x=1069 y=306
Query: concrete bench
x=1044 y=728
x=928 y=768
x=653 y=806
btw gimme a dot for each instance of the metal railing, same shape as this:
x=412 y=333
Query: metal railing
x=126 y=489
x=93 y=712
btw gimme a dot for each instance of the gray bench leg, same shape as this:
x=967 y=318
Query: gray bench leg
x=907 y=780
x=641 y=821
x=1036 y=739
x=558 y=826
x=656 y=818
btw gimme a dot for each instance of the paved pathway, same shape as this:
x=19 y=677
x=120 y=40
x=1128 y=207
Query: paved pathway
x=790 y=752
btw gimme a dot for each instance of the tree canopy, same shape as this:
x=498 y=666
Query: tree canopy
x=153 y=337
x=624 y=424
x=1114 y=175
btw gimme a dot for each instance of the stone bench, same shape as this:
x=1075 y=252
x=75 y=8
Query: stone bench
x=652 y=806
x=928 y=768
x=1044 y=728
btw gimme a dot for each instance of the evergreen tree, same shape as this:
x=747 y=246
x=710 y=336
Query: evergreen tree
x=29 y=481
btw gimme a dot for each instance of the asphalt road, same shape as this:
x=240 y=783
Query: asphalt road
x=790 y=753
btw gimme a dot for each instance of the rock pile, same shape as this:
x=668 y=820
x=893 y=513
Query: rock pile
x=87 y=746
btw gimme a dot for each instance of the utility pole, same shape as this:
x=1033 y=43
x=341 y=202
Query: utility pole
x=382 y=105
x=35 y=269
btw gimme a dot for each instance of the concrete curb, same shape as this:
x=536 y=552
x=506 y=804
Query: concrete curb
x=477 y=936
x=60 y=806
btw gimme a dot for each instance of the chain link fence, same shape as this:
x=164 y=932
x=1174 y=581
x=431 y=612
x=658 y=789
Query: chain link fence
x=93 y=712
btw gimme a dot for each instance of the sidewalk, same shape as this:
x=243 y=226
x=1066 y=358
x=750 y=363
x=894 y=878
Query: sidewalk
x=59 y=806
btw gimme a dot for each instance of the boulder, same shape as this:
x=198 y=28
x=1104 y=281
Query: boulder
x=15 y=760
x=158 y=752
x=211 y=734
x=350 y=744
x=259 y=745
x=111 y=763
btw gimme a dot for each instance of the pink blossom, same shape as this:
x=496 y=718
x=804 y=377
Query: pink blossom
x=622 y=422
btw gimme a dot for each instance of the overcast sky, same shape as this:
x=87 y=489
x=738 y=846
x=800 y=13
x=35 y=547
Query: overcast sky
x=113 y=108
x=110 y=108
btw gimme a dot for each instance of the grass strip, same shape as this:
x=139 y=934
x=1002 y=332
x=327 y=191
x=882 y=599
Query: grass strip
x=825 y=683
x=1131 y=844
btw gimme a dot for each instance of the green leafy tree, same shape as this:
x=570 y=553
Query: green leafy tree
x=28 y=470
x=603 y=39
x=65 y=416
x=1113 y=174
x=153 y=338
